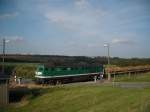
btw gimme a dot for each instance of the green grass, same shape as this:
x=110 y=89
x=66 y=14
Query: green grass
x=84 y=98
x=133 y=78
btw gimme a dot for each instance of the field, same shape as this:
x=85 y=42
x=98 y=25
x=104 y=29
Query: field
x=82 y=98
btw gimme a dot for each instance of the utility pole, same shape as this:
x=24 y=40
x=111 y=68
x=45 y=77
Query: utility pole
x=108 y=58
x=4 y=79
x=3 y=58
x=108 y=54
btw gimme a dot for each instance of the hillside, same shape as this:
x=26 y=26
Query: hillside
x=83 y=98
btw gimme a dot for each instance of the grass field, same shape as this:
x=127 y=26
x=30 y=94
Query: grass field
x=133 y=78
x=83 y=98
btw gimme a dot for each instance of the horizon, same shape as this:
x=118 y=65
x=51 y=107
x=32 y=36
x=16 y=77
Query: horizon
x=26 y=54
x=76 y=27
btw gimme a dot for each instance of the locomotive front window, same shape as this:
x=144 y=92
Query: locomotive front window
x=58 y=69
x=52 y=69
x=46 y=69
x=40 y=69
x=64 y=69
x=68 y=68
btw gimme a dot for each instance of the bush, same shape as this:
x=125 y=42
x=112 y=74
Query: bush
x=25 y=71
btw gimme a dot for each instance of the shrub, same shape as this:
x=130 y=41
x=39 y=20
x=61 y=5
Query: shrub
x=24 y=71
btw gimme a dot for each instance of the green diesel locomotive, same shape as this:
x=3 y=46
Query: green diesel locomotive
x=45 y=74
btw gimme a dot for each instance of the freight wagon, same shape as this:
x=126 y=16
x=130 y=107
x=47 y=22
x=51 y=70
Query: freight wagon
x=54 y=75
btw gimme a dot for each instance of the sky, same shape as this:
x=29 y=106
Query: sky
x=76 y=27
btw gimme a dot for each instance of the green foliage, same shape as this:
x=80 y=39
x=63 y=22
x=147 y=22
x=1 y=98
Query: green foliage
x=7 y=69
x=24 y=71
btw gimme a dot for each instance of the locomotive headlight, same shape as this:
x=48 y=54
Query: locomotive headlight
x=38 y=73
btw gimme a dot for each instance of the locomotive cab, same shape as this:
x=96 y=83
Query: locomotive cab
x=39 y=71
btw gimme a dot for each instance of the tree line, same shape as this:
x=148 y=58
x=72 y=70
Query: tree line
x=28 y=70
x=69 y=60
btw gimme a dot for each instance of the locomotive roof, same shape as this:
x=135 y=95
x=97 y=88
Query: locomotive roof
x=50 y=66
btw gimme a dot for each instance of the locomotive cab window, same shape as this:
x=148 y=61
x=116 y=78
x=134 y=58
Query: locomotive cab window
x=68 y=68
x=52 y=69
x=46 y=69
x=40 y=69
x=58 y=69
x=64 y=69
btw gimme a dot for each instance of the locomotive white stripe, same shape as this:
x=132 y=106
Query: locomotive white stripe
x=74 y=75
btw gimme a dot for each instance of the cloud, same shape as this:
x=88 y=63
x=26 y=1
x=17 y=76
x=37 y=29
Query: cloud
x=64 y=19
x=81 y=3
x=123 y=41
x=16 y=39
x=93 y=45
x=85 y=22
x=8 y=15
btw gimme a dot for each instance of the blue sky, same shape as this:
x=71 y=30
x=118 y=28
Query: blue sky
x=76 y=27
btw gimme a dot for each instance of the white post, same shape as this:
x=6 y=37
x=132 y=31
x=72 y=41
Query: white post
x=19 y=81
x=114 y=80
x=108 y=58
x=129 y=75
x=15 y=78
x=95 y=78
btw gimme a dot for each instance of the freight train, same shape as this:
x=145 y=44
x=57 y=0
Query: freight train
x=65 y=74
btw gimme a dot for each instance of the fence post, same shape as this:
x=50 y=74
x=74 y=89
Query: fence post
x=114 y=80
x=95 y=78
x=129 y=75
